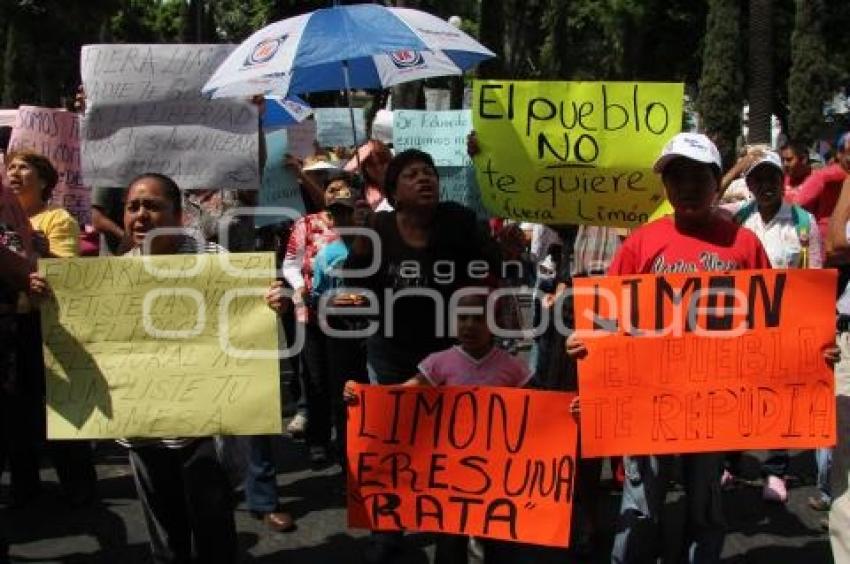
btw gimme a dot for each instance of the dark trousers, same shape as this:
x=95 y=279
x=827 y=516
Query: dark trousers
x=187 y=503
x=74 y=464
x=261 y=475
x=775 y=465
x=296 y=384
x=453 y=549
x=20 y=437
x=315 y=356
x=347 y=361
x=25 y=403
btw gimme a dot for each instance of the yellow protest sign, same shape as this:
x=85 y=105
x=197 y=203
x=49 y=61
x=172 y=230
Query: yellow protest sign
x=573 y=152
x=160 y=346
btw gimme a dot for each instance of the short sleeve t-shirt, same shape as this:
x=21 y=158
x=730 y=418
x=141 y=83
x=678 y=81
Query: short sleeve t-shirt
x=661 y=248
x=454 y=367
x=414 y=287
x=61 y=229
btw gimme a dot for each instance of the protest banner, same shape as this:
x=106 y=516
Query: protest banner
x=55 y=133
x=481 y=461
x=440 y=134
x=382 y=126
x=437 y=99
x=160 y=346
x=573 y=152
x=706 y=362
x=458 y=184
x=301 y=139
x=145 y=113
x=333 y=127
x=280 y=197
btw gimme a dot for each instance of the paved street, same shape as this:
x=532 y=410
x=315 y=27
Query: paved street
x=113 y=531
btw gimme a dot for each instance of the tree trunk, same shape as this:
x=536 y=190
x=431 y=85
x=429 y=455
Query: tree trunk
x=761 y=70
x=491 y=34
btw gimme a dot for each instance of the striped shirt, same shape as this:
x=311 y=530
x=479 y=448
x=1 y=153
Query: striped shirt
x=188 y=245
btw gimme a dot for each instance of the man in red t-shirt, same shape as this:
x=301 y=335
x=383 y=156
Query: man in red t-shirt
x=695 y=239
x=795 y=164
x=818 y=194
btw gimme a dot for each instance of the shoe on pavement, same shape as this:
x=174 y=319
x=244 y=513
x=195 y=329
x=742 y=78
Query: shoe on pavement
x=819 y=504
x=298 y=426
x=277 y=521
x=727 y=480
x=774 y=490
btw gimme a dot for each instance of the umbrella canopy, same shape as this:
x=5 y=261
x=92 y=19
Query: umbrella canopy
x=377 y=47
x=282 y=112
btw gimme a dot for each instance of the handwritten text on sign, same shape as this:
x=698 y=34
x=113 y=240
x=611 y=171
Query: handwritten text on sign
x=706 y=362
x=160 y=346
x=145 y=113
x=333 y=127
x=55 y=134
x=488 y=462
x=457 y=184
x=573 y=152
x=280 y=195
x=441 y=134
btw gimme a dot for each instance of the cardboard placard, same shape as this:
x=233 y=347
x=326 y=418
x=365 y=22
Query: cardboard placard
x=482 y=461
x=706 y=362
x=55 y=133
x=573 y=152
x=145 y=113
x=160 y=346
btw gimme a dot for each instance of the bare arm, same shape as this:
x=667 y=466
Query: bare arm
x=418 y=380
x=103 y=224
x=315 y=192
x=835 y=239
x=738 y=169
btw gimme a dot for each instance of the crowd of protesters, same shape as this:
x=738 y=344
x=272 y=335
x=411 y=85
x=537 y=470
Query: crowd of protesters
x=770 y=209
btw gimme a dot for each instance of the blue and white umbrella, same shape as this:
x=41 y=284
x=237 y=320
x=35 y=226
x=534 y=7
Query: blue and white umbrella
x=344 y=47
x=283 y=112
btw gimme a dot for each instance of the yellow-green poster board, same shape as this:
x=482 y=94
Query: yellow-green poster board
x=573 y=152
x=160 y=346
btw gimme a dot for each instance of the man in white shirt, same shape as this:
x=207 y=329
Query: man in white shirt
x=788 y=233
x=791 y=238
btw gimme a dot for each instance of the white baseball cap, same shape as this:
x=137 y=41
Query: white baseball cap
x=769 y=158
x=693 y=146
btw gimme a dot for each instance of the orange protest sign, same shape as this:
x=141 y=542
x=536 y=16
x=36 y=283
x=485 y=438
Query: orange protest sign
x=489 y=462
x=706 y=361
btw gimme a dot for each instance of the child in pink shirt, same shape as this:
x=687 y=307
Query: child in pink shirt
x=475 y=361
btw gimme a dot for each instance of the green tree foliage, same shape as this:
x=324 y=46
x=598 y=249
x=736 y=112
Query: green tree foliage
x=42 y=47
x=720 y=87
x=809 y=81
x=760 y=57
x=621 y=39
x=492 y=36
x=236 y=19
x=835 y=26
